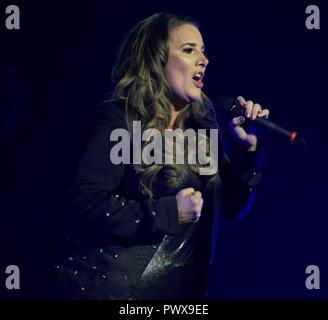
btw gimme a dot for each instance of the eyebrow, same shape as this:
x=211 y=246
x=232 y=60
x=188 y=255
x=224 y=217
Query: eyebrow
x=191 y=44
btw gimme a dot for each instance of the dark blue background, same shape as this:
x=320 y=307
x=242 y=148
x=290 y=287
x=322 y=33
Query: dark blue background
x=57 y=67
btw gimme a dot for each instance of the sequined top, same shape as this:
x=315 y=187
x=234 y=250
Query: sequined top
x=124 y=245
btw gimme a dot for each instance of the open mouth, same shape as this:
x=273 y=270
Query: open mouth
x=197 y=78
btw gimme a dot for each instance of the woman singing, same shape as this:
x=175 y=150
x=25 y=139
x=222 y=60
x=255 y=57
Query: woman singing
x=148 y=230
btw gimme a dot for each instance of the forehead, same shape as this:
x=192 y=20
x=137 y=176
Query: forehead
x=186 y=33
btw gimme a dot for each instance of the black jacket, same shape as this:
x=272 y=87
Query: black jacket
x=127 y=246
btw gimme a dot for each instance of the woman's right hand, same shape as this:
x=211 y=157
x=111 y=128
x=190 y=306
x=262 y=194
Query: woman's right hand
x=189 y=203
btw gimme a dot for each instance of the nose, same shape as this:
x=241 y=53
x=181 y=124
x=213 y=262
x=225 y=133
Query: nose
x=203 y=60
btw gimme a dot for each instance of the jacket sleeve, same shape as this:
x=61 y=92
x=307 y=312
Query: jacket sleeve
x=240 y=177
x=96 y=203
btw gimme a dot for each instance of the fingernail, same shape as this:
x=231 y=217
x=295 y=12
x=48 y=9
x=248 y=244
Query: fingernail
x=254 y=117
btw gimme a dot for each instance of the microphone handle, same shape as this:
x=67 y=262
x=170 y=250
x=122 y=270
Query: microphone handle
x=235 y=110
x=271 y=126
x=292 y=136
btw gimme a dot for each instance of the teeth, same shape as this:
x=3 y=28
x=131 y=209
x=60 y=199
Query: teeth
x=197 y=76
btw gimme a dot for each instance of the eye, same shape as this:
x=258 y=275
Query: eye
x=188 y=50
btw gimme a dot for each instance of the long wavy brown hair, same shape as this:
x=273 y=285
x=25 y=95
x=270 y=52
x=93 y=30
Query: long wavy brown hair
x=140 y=82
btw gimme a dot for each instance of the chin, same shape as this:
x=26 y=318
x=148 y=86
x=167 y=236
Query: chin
x=195 y=98
x=187 y=99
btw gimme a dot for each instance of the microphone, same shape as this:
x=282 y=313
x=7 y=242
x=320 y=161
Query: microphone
x=232 y=108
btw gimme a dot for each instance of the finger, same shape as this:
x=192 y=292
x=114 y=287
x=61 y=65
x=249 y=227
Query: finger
x=200 y=206
x=188 y=191
x=196 y=194
x=237 y=130
x=196 y=197
x=264 y=114
x=255 y=111
x=197 y=213
x=240 y=133
x=237 y=121
x=241 y=100
x=248 y=108
x=197 y=208
x=195 y=219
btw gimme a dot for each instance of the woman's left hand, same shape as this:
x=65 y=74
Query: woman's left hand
x=252 y=111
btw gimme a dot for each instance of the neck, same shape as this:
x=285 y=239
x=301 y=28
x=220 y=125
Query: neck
x=174 y=114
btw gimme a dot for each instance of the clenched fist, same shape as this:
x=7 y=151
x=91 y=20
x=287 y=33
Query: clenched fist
x=190 y=203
